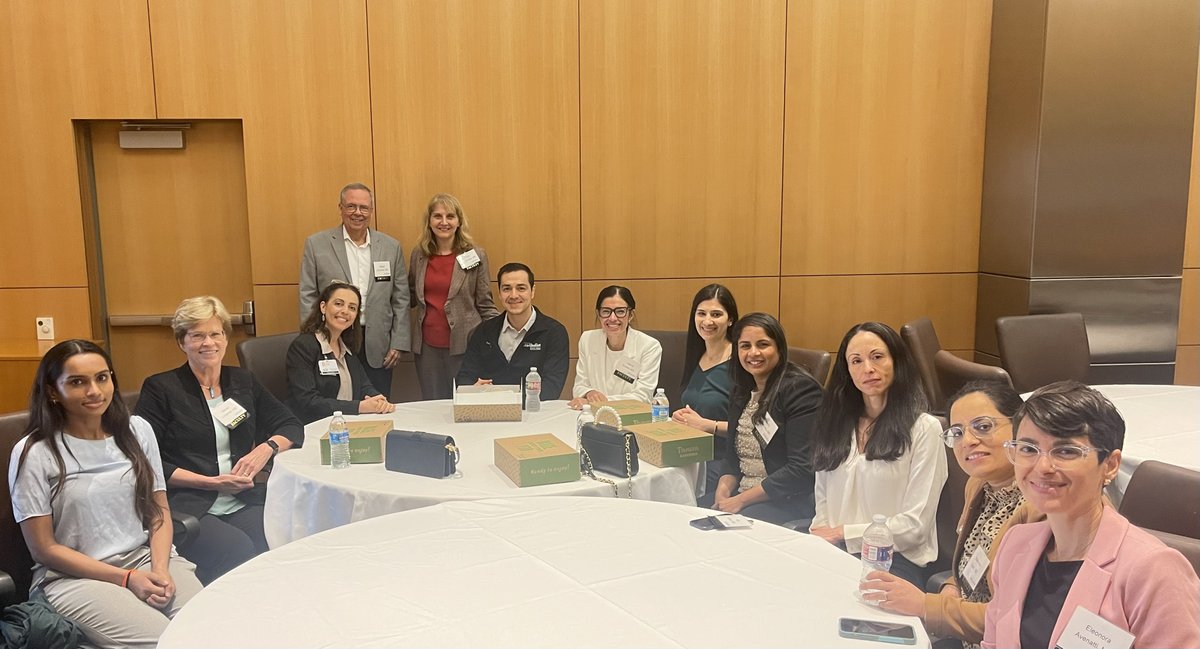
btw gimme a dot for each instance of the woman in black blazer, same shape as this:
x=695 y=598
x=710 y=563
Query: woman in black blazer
x=323 y=375
x=768 y=471
x=218 y=428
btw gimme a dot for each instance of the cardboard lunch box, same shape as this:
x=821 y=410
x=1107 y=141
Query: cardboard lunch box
x=487 y=403
x=668 y=443
x=631 y=411
x=531 y=460
x=366 y=440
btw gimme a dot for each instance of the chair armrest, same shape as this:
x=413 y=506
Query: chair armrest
x=936 y=581
x=186 y=527
x=8 y=590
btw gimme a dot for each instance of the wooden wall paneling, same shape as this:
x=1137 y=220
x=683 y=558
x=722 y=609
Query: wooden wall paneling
x=817 y=311
x=276 y=308
x=16 y=380
x=1189 y=307
x=95 y=64
x=682 y=121
x=296 y=74
x=1191 y=242
x=560 y=300
x=481 y=100
x=883 y=149
x=666 y=303
x=68 y=306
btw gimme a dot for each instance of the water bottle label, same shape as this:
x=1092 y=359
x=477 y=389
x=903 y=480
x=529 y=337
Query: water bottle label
x=533 y=386
x=338 y=438
x=877 y=554
x=659 y=412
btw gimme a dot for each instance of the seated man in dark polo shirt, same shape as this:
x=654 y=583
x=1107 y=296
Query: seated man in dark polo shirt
x=502 y=349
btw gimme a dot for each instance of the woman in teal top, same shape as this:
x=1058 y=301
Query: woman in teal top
x=706 y=381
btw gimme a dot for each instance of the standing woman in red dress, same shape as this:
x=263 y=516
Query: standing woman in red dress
x=448 y=281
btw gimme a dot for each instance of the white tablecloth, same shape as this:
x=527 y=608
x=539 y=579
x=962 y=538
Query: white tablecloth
x=535 y=572
x=305 y=497
x=1162 y=422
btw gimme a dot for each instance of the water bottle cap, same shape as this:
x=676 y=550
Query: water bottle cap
x=879 y=518
x=661 y=391
x=587 y=408
x=337 y=413
x=532 y=369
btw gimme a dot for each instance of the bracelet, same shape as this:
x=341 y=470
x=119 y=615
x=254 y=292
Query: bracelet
x=125 y=581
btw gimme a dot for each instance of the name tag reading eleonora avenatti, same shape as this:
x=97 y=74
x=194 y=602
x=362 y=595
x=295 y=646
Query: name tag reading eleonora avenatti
x=1086 y=630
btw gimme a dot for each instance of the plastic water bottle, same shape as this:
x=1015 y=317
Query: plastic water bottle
x=660 y=407
x=533 y=391
x=339 y=442
x=585 y=417
x=877 y=548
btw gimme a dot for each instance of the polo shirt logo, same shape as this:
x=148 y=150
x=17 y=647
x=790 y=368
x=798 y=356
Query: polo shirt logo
x=533 y=347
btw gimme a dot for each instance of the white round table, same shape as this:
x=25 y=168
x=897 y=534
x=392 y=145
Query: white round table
x=305 y=497
x=1162 y=422
x=535 y=572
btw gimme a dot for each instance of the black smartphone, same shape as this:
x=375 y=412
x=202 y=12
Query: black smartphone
x=893 y=632
x=722 y=522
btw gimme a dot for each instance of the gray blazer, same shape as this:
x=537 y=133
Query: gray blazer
x=385 y=305
x=468 y=303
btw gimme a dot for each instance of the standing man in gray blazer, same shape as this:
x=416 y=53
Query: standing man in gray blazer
x=374 y=263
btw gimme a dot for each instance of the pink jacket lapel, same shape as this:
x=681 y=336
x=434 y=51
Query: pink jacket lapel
x=1094 y=579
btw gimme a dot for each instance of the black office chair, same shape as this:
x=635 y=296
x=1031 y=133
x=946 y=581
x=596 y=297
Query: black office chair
x=816 y=361
x=670 y=370
x=1040 y=349
x=922 y=342
x=266 y=358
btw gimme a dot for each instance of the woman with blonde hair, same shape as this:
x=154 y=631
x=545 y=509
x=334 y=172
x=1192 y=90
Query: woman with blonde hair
x=218 y=429
x=448 y=281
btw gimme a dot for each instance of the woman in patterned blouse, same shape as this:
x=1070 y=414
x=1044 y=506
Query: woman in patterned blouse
x=980 y=422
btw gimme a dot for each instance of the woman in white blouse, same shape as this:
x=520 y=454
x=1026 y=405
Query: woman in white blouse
x=615 y=361
x=877 y=451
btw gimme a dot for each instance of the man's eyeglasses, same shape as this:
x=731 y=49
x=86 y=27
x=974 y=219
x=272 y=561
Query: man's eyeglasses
x=1027 y=453
x=620 y=312
x=982 y=427
x=356 y=209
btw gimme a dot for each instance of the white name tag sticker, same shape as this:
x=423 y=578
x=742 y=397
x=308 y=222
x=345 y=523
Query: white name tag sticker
x=327 y=367
x=627 y=370
x=767 y=429
x=468 y=260
x=230 y=413
x=1086 y=630
x=976 y=566
x=383 y=270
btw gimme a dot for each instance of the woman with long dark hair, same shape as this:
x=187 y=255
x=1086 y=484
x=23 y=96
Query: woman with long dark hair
x=323 y=373
x=768 y=471
x=877 y=451
x=616 y=361
x=706 y=383
x=88 y=491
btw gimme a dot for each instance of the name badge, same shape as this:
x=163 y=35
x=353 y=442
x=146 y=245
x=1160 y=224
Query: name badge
x=627 y=369
x=1086 y=630
x=976 y=565
x=533 y=347
x=383 y=270
x=767 y=429
x=230 y=413
x=468 y=260
x=328 y=367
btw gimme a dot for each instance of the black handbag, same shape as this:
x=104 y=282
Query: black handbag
x=427 y=454
x=608 y=449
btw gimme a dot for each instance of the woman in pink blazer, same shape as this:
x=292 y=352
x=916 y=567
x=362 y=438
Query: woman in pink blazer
x=1085 y=558
x=448 y=281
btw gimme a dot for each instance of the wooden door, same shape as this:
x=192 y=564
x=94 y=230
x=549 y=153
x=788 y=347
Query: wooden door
x=172 y=224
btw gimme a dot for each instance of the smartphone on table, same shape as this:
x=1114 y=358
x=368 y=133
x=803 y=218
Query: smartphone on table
x=722 y=522
x=876 y=630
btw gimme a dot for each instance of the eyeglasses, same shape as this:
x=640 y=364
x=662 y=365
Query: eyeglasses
x=620 y=312
x=982 y=427
x=356 y=209
x=1027 y=453
x=198 y=337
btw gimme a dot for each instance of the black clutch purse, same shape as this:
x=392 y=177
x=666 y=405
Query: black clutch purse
x=409 y=451
x=608 y=449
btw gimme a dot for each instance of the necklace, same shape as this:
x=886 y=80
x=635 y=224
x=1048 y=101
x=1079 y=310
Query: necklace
x=211 y=392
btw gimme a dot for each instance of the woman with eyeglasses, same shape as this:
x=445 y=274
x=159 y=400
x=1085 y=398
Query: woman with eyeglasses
x=218 y=429
x=88 y=492
x=877 y=451
x=616 y=361
x=451 y=294
x=323 y=373
x=980 y=423
x=1085 y=574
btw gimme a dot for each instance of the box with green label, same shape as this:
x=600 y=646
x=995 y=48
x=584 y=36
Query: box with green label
x=631 y=411
x=531 y=460
x=366 y=441
x=667 y=443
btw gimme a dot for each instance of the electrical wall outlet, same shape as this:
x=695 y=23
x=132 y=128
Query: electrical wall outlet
x=45 y=328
